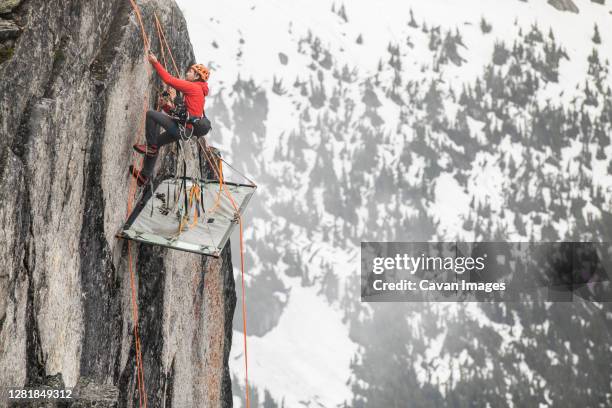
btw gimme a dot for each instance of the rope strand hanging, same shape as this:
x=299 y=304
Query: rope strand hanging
x=142 y=394
x=165 y=43
x=244 y=325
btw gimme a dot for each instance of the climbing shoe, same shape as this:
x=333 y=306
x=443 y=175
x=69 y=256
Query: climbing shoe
x=141 y=179
x=147 y=150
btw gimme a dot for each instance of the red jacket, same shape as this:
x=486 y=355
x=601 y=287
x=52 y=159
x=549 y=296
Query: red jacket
x=194 y=93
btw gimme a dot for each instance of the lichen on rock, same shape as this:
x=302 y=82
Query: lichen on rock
x=6 y=6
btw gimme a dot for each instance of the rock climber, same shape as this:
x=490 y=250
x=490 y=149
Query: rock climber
x=188 y=119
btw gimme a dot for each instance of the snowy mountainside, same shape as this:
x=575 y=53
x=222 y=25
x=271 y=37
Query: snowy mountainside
x=434 y=120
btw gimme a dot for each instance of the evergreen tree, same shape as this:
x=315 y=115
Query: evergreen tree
x=485 y=27
x=269 y=401
x=596 y=37
x=500 y=53
x=412 y=22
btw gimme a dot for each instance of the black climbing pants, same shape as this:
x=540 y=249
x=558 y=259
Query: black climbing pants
x=155 y=120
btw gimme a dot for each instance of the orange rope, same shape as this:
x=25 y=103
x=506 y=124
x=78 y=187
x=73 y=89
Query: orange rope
x=142 y=394
x=244 y=325
x=220 y=176
x=161 y=46
x=195 y=192
x=142 y=28
x=163 y=37
x=140 y=371
x=133 y=184
x=164 y=44
x=221 y=184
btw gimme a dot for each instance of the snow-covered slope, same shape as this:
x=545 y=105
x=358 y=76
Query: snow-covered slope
x=427 y=120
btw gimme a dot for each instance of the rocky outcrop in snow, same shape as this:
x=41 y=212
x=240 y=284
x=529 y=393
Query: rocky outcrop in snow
x=564 y=5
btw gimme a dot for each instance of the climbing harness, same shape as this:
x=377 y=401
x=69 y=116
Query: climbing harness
x=186 y=123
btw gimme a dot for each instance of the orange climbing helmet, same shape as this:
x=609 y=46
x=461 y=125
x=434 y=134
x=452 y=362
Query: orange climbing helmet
x=202 y=71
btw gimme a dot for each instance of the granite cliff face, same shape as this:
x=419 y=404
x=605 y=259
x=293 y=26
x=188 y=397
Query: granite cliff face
x=74 y=78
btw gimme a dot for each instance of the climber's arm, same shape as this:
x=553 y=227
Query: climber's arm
x=179 y=84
